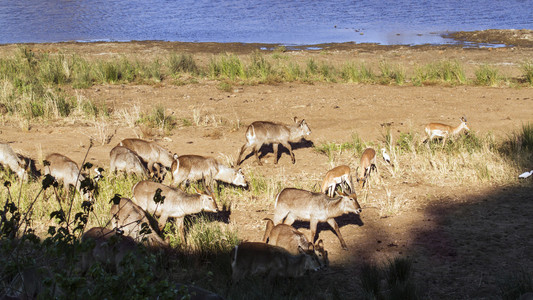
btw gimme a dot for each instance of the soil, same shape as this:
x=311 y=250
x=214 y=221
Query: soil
x=464 y=240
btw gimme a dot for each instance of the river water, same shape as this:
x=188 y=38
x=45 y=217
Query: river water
x=248 y=21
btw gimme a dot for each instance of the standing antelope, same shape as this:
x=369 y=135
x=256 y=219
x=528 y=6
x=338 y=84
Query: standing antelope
x=339 y=175
x=260 y=133
x=366 y=165
x=295 y=204
x=65 y=169
x=124 y=159
x=177 y=204
x=130 y=217
x=151 y=153
x=196 y=167
x=442 y=130
x=110 y=248
x=9 y=158
x=252 y=258
x=291 y=239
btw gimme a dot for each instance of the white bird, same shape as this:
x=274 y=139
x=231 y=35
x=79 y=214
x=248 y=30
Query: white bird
x=526 y=174
x=386 y=157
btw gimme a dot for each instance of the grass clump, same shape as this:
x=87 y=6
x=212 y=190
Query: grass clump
x=487 y=75
x=444 y=71
x=227 y=66
x=391 y=73
x=397 y=276
x=158 y=118
x=527 y=68
x=183 y=63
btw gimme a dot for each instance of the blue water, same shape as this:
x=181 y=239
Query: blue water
x=250 y=21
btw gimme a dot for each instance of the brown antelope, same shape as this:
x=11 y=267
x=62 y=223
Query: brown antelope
x=261 y=133
x=295 y=204
x=196 y=167
x=123 y=159
x=110 y=247
x=434 y=130
x=252 y=258
x=9 y=158
x=339 y=175
x=177 y=204
x=291 y=239
x=366 y=165
x=152 y=153
x=195 y=293
x=130 y=217
x=66 y=170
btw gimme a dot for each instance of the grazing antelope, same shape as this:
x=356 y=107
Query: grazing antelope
x=260 y=133
x=66 y=170
x=196 y=167
x=434 y=130
x=152 y=153
x=9 y=158
x=130 y=218
x=295 y=204
x=339 y=175
x=177 y=204
x=124 y=159
x=252 y=258
x=366 y=165
x=291 y=239
x=195 y=293
x=110 y=248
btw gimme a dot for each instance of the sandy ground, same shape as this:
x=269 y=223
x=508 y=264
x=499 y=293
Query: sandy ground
x=463 y=239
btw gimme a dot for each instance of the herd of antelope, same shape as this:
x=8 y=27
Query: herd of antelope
x=283 y=251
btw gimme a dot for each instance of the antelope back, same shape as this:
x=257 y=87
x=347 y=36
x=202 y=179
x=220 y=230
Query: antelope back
x=9 y=158
x=109 y=247
x=63 y=169
x=335 y=176
x=252 y=258
x=130 y=218
x=124 y=159
x=264 y=132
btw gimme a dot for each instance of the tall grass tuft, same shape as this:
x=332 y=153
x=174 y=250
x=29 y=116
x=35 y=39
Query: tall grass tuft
x=183 y=63
x=158 y=118
x=227 y=66
x=359 y=73
x=443 y=71
x=487 y=75
x=527 y=68
x=391 y=73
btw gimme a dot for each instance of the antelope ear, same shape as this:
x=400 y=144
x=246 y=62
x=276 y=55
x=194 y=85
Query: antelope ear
x=175 y=156
x=239 y=171
x=300 y=249
x=302 y=122
x=310 y=247
x=295 y=119
x=320 y=244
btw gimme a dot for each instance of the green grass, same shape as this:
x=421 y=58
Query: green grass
x=527 y=68
x=158 y=118
x=487 y=75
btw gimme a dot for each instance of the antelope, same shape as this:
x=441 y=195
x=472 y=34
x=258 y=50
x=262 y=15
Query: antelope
x=366 y=165
x=177 y=204
x=260 y=133
x=295 y=204
x=291 y=239
x=196 y=167
x=9 y=158
x=110 y=247
x=124 y=159
x=252 y=258
x=151 y=153
x=130 y=218
x=339 y=175
x=442 y=130
x=66 y=170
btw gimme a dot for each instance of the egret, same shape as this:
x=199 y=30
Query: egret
x=526 y=174
x=386 y=157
